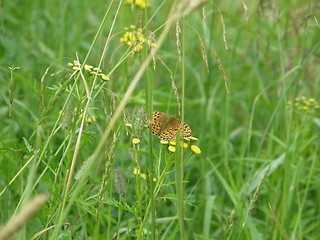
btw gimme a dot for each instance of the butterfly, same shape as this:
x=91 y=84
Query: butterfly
x=166 y=126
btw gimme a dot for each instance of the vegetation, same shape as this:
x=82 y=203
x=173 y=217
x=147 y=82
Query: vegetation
x=80 y=80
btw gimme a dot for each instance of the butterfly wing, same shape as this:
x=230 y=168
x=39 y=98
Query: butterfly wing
x=155 y=123
x=187 y=132
x=171 y=132
x=166 y=126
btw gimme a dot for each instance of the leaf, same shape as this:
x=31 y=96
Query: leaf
x=12 y=147
x=28 y=145
x=259 y=174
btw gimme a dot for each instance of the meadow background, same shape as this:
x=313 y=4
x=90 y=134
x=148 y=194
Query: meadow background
x=246 y=74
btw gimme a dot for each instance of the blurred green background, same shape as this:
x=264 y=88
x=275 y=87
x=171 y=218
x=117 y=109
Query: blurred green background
x=259 y=143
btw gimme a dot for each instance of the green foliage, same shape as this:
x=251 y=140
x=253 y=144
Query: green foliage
x=245 y=77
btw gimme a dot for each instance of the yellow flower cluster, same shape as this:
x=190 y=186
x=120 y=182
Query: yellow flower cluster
x=172 y=143
x=89 y=118
x=134 y=38
x=137 y=172
x=76 y=66
x=304 y=104
x=139 y=3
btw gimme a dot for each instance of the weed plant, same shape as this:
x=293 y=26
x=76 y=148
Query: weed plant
x=80 y=81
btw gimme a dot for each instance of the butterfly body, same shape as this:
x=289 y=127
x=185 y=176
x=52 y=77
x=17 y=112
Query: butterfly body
x=166 y=126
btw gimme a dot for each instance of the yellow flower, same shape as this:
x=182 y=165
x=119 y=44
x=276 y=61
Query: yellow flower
x=173 y=142
x=193 y=138
x=88 y=67
x=172 y=148
x=195 y=149
x=184 y=145
x=143 y=3
x=136 y=171
x=141 y=38
x=135 y=38
x=143 y=175
x=96 y=69
x=104 y=77
x=140 y=3
x=95 y=73
x=135 y=140
x=90 y=119
x=305 y=104
x=164 y=141
x=76 y=68
x=153 y=45
x=138 y=48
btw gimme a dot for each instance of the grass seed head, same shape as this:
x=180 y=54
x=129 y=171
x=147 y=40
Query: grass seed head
x=119 y=182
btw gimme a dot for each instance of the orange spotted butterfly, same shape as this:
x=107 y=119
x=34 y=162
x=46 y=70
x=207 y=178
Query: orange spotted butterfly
x=166 y=126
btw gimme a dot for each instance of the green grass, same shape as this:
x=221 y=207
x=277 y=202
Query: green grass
x=257 y=177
